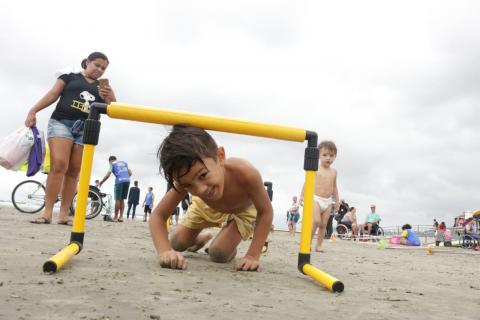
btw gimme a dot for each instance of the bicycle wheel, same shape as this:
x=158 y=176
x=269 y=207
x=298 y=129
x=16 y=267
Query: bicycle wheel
x=94 y=204
x=29 y=196
x=342 y=231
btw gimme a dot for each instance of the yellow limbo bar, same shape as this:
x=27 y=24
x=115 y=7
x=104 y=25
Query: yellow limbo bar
x=306 y=235
x=171 y=117
x=58 y=260
x=83 y=188
x=329 y=282
x=78 y=227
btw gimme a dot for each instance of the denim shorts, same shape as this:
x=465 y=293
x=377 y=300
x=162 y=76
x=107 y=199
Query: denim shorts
x=63 y=129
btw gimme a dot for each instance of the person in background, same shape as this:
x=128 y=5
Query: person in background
x=293 y=215
x=471 y=229
x=324 y=192
x=122 y=181
x=350 y=220
x=409 y=237
x=133 y=199
x=373 y=219
x=148 y=204
x=75 y=92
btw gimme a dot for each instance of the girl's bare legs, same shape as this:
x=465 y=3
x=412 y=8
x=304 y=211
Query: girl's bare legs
x=70 y=181
x=322 y=227
x=60 y=149
x=294 y=229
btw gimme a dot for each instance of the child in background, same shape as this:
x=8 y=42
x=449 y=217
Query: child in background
x=293 y=216
x=325 y=190
x=409 y=237
x=148 y=204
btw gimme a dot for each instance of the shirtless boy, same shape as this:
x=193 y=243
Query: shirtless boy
x=325 y=191
x=227 y=193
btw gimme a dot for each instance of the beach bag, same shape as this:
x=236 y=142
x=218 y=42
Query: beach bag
x=37 y=152
x=15 y=148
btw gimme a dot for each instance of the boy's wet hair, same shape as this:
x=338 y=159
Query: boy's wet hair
x=329 y=145
x=184 y=146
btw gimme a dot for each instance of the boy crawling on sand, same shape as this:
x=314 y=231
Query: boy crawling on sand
x=227 y=193
x=325 y=190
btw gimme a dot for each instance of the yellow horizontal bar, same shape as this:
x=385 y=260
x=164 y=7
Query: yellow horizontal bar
x=58 y=260
x=171 y=117
x=329 y=282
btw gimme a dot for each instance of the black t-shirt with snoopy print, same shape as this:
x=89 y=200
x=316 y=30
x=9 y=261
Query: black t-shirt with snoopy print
x=76 y=98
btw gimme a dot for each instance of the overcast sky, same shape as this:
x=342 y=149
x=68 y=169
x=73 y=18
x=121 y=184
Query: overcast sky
x=394 y=84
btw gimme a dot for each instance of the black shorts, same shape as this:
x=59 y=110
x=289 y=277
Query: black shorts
x=147 y=209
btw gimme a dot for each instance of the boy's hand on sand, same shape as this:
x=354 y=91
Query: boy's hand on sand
x=173 y=260
x=248 y=263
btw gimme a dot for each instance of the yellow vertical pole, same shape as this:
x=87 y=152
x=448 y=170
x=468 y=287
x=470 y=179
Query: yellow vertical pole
x=305 y=240
x=83 y=188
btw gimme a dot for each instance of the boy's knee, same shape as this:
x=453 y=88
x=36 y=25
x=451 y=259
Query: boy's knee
x=220 y=256
x=178 y=244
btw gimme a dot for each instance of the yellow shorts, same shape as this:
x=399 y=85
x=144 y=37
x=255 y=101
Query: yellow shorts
x=200 y=216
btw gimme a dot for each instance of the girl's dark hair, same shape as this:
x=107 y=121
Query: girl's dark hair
x=406 y=227
x=184 y=146
x=351 y=209
x=92 y=56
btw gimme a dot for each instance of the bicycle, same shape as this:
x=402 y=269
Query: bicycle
x=98 y=203
x=29 y=197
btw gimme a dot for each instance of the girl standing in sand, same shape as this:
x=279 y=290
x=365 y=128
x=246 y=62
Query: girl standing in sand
x=77 y=91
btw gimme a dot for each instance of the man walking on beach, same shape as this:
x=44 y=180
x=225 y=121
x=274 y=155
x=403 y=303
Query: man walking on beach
x=122 y=181
x=133 y=199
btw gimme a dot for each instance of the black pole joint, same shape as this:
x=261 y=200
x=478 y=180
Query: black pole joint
x=96 y=109
x=303 y=259
x=311 y=152
x=77 y=237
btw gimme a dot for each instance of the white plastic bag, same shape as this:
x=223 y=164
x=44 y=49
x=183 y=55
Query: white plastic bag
x=14 y=149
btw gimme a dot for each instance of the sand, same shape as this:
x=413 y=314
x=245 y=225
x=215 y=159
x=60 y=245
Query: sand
x=117 y=276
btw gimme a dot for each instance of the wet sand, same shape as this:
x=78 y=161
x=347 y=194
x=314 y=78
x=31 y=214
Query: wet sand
x=117 y=276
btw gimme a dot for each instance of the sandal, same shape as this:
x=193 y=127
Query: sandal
x=120 y=220
x=65 y=223
x=40 y=220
